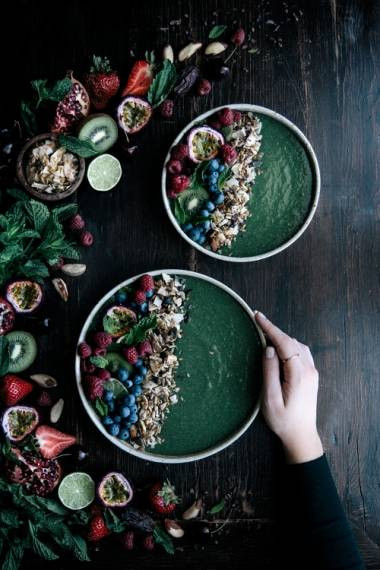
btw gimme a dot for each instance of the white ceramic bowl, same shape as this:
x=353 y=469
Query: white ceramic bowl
x=314 y=166
x=125 y=446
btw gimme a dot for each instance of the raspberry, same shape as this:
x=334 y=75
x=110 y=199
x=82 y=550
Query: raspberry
x=179 y=152
x=226 y=116
x=86 y=239
x=131 y=354
x=76 y=223
x=44 y=399
x=139 y=297
x=203 y=87
x=100 y=351
x=144 y=348
x=179 y=183
x=238 y=37
x=146 y=283
x=215 y=124
x=84 y=350
x=93 y=387
x=103 y=374
x=148 y=542
x=174 y=167
x=228 y=154
x=87 y=367
x=127 y=540
x=102 y=339
x=166 y=109
x=237 y=116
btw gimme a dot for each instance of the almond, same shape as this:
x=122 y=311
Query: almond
x=188 y=51
x=215 y=48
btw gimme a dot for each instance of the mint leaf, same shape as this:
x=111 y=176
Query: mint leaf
x=70 y=252
x=139 y=332
x=161 y=537
x=99 y=361
x=38 y=212
x=162 y=84
x=223 y=177
x=34 y=269
x=83 y=148
x=17 y=194
x=218 y=507
x=60 y=89
x=13 y=556
x=216 y=32
x=4 y=355
x=101 y=407
x=113 y=523
x=180 y=214
x=78 y=547
x=116 y=387
x=38 y=546
x=64 y=212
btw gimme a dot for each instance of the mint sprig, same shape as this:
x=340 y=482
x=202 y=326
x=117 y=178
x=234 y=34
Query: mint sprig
x=162 y=84
x=217 y=31
x=83 y=148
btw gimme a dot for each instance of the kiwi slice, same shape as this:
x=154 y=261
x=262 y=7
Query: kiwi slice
x=101 y=130
x=22 y=350
x=116 y=361
x=193 y=199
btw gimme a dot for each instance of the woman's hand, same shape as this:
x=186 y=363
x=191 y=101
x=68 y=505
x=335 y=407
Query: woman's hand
x=290 y=405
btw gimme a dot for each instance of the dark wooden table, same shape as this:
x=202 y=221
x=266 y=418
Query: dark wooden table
x=319 y=70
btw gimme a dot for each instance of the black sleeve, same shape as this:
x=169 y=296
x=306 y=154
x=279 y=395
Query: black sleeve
x=314 y=526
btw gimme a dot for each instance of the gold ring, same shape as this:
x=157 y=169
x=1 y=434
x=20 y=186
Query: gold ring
x=290 y=357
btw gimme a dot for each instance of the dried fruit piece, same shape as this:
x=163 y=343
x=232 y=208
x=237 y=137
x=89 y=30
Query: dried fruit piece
x=73 y=269
x=56 y=411
x=188 y=51
x=215 y=48
x=133 y=114
x=25 y=296
x=186 y=80
x=61 y=288
x=44 y=380
x=19 y=421
x=115 y=490
x=73 y=107
x=137 y=519
x=204 y=143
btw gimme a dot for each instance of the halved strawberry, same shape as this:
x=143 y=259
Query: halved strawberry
x=13 y=389
x=52 y=442
x=97 y=529
x=139 y=80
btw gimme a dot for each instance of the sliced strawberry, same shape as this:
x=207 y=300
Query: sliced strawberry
x=13 y=389
x=52 y=442
x=139 y=79
x=97 y=529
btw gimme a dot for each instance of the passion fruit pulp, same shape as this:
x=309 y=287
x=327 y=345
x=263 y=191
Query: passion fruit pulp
x=133 y=114
x=204 y=143
x=25 y=296
x=19 y=421
x=115 y=490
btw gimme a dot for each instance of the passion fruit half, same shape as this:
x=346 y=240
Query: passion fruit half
x=115 y=490
x=204 y=143
x=118 y=320
x=133 y=114
x=25 y=296
x=19 y=421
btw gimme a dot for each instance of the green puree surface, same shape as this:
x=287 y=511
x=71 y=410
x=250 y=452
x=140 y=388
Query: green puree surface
x=219 y=373
x=282 y=194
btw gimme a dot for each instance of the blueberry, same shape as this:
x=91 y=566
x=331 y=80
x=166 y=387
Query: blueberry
x=214 y=164
x=144 y=371
x=111 y=406
x=137 y=390
x=133 y=408
x=138 y=380
x=221 y=167
x=139 y=363
x=117 y=419
x=144 y=307
x=187 y=227
x=123 y=374
x=124 y=434
x=202 y=239
x=121 y=297
x=126 y=424
x=194 y=234
x=107 y=421
x=214 y=178
x=129 y=383
x=219 y=198
x=130 y=400
x=214 y=189
x=149 y=294
x=114 y=429
x=206 y=225
x=210 y=206
x=108 y=395
x=125 y=412
x=134 y=418
x=204 y=213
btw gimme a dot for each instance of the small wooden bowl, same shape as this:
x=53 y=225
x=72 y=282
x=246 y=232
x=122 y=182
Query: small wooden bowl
x=20 y=169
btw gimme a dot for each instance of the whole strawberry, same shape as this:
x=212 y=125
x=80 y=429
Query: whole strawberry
x=13 y=389
x=131 y=354
x=97 y=529
x=102 y=82
x=162 y=498
x=146 y=282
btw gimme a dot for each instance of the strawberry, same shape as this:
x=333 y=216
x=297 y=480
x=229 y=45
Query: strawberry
x=14 y=389
x=52 y=442
x=97 y=529
x=162 y=498
x=102 y=82
x=140 y=78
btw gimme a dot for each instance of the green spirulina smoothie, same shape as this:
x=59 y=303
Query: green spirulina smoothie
x=282 y=193
x=219 y=375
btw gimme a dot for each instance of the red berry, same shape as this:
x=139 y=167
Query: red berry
x=139 y=297
x=87 y=367
x=86 y=239
x=166 y=109
x=228 y=153
x=44 y=399
x=144 y=348
x=127 y=540
x=13 y=389
x=102 y=339
x=93 y=387
x=179 y=152
x=76 y=223
x=146 y=283
x=97 y=529
x=203 y=87
x=100 y=351
x=237 y=116
x=162 y=497
x=131 y=354
x=226 y=116
x=148 y=542
x=179 y=183
x=103 y=374
x=174 y=167
x=215 y=124
x=84 y=350
x=238 y=37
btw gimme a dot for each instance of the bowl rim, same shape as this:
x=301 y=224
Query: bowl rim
x=314 y=166
x=20 y=170
x=158 y=458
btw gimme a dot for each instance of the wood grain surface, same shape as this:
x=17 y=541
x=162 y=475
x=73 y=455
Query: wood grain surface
x=319 y=69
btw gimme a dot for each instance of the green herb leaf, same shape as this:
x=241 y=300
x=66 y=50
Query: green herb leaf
x=34 y=269
x=28 y=117
x=13 y=556
x=113 y=523
x=38 y=546
x=218 y=507
x=116 y=387
x=101 y=407
x=83 y=148
x=161 y=537
x=62 y=213
x=162 y=84
x=70 y=252
x=180 y=214
x=17 y=194
x=139 y=332
x=223 y=177
x=216 y=32
x=38 y=212
x=60 y=89
x=79 y=548
x=227 y=132
x=4 y=355
x=99 y=361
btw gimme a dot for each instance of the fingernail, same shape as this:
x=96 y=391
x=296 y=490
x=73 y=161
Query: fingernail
x=269 y=352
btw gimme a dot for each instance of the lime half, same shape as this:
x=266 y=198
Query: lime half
x=104 y=172
x=77 y=490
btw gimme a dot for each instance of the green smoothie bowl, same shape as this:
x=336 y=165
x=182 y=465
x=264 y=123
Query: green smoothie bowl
x=168 y=366
x=241 y=183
